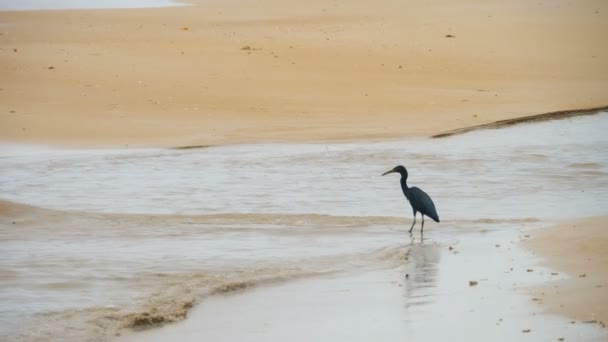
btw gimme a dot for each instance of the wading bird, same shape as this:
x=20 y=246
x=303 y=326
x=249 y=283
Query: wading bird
x=419 y=200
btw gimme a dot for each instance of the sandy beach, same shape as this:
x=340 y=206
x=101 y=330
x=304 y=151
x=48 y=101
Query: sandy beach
x=225 y=72
x=278 y=225
x=579 y=249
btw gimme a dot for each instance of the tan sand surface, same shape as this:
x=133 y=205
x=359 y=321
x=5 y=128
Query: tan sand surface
x=248 y=71
x=579 y=248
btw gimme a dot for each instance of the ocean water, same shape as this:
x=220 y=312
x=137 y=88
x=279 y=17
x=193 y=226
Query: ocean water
x=97 y=240
x=34 y=5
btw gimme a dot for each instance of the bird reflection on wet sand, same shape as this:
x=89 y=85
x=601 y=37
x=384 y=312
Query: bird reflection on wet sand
x=421 y=273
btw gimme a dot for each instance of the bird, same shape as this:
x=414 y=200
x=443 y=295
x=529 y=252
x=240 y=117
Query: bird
x=419 y=200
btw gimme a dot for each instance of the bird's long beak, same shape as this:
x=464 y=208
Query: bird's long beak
x=387 y=172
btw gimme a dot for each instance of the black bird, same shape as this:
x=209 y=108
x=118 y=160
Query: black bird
x=419 y=200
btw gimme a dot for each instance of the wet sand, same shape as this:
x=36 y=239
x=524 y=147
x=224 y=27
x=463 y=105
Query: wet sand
x=578 y=248
x=429 y=298
x=232 y=71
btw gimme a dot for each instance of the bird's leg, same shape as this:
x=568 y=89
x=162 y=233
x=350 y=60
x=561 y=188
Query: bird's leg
x=412 y=227
x=422 y=228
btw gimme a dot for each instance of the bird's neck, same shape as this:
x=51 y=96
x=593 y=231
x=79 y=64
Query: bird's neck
x=404 y=182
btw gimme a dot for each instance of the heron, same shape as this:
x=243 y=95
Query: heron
x=419 y=200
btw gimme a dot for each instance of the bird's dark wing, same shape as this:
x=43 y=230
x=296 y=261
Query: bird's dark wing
x=423 y=203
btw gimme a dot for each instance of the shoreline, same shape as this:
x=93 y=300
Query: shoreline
x=516 y=120
x=383 y=302
x=558 y=115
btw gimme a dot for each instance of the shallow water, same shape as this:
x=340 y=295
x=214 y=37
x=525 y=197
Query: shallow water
x=555 y=169
x=34 y=5
x=134 y=231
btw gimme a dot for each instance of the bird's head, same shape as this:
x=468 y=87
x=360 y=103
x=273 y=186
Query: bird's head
x=399 y=169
